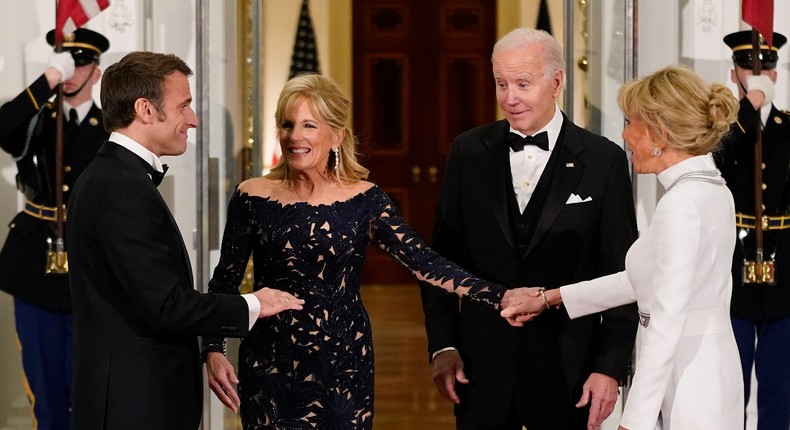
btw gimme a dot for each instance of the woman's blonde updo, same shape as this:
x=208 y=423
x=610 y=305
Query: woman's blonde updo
x=329 y=104
x=680 y=109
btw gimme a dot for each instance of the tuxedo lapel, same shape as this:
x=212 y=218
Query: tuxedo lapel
x=134 y=162
x=497 y=172
x=568 y=170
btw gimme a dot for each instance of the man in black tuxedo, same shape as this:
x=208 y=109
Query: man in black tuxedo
x=42 y=302
x=547 y=210
x=136 y=314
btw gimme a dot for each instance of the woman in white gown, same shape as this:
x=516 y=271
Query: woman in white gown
x=688 y=373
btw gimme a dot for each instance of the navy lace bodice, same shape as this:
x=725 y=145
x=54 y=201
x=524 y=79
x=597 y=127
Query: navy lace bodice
x=314 y=368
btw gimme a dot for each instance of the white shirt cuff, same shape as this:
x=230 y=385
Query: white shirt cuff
x=449 y=348
x=254 y=306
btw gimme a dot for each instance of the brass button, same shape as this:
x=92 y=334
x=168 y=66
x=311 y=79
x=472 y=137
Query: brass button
x=65 y=188
x=765 y=186
x=527 y=184
x=763 y=206
x=763 y=166
x=67 y=168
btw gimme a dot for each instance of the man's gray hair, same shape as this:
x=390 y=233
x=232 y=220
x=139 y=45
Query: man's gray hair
x=523 y=37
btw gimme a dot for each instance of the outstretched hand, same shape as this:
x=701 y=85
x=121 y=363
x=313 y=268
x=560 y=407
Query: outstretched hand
x=521 y=305
x=274 y=301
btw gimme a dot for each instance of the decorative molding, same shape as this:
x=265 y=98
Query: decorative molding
x=707 y=16
x=120 y=16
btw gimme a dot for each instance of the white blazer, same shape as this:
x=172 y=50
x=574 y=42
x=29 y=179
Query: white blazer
x=688 y=372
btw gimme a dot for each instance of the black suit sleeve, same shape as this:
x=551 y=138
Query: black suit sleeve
x=16 y=114
x=618 y=230
x=442 y=311
x=143 y=249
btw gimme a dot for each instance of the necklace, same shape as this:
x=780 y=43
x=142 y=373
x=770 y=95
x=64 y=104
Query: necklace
x=709 y=176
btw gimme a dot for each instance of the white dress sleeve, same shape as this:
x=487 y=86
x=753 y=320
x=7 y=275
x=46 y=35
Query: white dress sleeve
x=597 y=295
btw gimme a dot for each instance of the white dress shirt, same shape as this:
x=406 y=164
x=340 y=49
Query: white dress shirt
x=82 y=110
x=527 y=165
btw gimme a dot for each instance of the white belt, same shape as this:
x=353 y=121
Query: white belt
x=707 y=321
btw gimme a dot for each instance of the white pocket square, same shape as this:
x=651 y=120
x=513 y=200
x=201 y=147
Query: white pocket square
x=575 y=198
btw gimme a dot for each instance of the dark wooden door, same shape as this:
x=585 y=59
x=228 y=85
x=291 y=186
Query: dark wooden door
x=422 y=75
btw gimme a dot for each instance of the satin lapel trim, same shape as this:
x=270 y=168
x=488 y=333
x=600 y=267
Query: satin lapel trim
x=177 y=233
x=498 y=172
x=568 y=170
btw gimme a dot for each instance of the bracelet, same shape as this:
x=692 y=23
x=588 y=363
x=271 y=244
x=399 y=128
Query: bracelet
x=545 y=301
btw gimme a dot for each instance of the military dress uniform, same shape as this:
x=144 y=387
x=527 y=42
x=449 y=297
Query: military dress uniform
x=761 y=311
x=42 y=302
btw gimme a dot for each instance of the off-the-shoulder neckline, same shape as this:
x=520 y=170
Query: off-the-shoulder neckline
x=294 y=204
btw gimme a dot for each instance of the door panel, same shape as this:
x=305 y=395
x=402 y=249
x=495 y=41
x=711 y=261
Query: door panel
x=422 y=75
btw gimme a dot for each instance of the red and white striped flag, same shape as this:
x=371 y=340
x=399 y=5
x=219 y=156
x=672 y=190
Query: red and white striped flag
x=760 y=15
x=73 y=14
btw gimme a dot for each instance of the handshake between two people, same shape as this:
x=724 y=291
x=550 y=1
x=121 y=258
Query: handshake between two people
x=521 y=305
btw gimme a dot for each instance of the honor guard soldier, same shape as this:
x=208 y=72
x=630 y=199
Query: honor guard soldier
x=42 y=301
x=755 y=161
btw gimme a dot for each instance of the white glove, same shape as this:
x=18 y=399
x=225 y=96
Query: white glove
x=63 y=63
x=761 y=83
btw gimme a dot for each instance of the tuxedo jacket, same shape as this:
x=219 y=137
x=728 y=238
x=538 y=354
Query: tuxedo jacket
x=136 y=313
x=759 y=302
x=24 y=255
x=542 y=365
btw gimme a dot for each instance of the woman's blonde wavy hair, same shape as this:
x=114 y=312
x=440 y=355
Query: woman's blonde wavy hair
x=329 y=104
x=680 y=109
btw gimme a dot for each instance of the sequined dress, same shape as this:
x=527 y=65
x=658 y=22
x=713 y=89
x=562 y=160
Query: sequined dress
x=314 y=368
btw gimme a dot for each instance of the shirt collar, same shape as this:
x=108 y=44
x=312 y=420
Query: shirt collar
x=139 y=150
x=82 y=110
x=697 y=163
x=765 y=113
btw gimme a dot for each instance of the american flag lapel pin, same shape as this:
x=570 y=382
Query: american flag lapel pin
x=568 y=164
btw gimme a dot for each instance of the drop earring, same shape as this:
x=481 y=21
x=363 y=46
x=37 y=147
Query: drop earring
x=337 y=159
x=656 y=152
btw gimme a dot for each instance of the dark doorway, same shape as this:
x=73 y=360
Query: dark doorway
x=422 y=75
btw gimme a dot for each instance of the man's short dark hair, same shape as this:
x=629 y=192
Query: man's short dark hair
x=138 y=75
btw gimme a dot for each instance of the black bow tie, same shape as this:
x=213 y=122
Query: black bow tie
x=156 y=176
x=517 y=143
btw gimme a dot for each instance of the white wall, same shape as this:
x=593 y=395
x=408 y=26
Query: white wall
x=694 y=38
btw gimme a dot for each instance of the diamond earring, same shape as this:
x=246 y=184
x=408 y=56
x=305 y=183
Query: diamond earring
x=337 y=159
x=656 y=152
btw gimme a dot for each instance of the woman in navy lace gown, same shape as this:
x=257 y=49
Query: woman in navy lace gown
x=307 y=225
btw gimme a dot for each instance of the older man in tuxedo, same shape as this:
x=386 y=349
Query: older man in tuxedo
x=136 y=314
x=532 y=200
